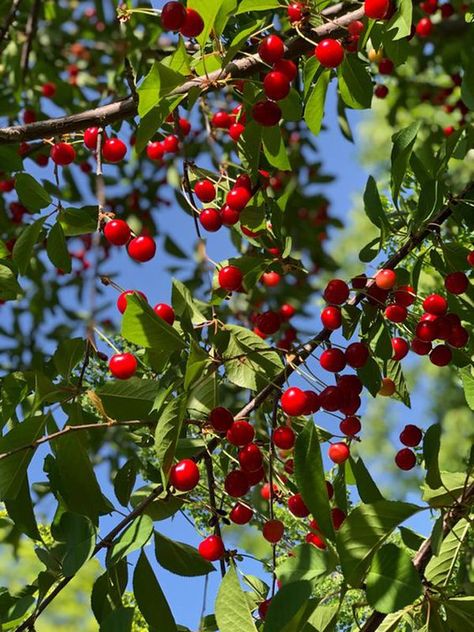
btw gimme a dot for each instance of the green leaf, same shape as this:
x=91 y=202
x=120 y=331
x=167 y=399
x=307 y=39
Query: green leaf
x=364 y=530
x=180 y=558
x=9 y=286
x=314 y=109
x=150 y=598
x=56 y=247
x=68 y=355
x=160 y=509
x=167 y=432
x=184 y=304
x=306 y=562
x=468 y=385
x=460 y=613
x=240 y=38
x=373 y=204
x=467 y=85
x=124 y=481
x=135 y=536
x=440 y=567
x=403 y=143
x=79 y=535
x=395 y=373
x=368 y=490
x=257 y=5
x=208 y=11
x=154 y=119
x=287 y=607
x=401 y=20
x=309 y=473
x=355 y=83
x=128 y=399
x=179 y=61
x=78 y=221
x=274 y=148
x=431 y=445
x=343 y=121
x=159 y=82
x=232 y=610
x=20 y=510
x=411 y=539
x=392 y=582
x=31 y=193
x=370 y=376
x=10 y=156
x=23 y=248
x=119 y=620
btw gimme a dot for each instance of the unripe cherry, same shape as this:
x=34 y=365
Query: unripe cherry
x=184 y=475
x=212 y=548
x=165 y=312
x=122 y=299
x=333 y=360
x=117 y=232
x=329 y=52
x=376 y=9
x=230 y=278
x=293 y=401
x=405 y=459
x=339 y=452
x=210 y=219
x=193 y=24
x=173 y=16
x=456 y=283
x=273 y=531
x=388 y=387
x=142 y=248
x=205 y=190
x=240 y=433
x=336 y=292
x=271 y=49
x=123 y=365
x=400 y=348
x=113 y=149
x=385 y=279
x=63 y=154
x=236 y=484
x=283 y=437
x=411 y=435
x=276 y=85
x=350 y=426
x=331 y=317
x=240 y=514
x=266 y=113
x=297 y=506
x=221 y=419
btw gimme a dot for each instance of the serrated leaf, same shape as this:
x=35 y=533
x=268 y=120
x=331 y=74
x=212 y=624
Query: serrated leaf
x=232 y=610
x=440 y=567
x=257 y=5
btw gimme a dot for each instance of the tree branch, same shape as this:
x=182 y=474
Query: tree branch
x=9 y=20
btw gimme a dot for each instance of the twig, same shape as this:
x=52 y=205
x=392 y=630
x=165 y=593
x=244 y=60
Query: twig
x=212 y=501
x=271 y=450
x=30 y=34
x=9 y=20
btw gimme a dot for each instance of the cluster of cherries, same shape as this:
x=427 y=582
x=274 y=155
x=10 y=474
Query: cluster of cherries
x=410 y=436
x=175 y=17
x=212 y=219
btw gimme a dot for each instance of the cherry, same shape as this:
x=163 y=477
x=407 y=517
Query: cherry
x=122 y=299
x=396 y=313
x=29 y=116
x=350 y=426
x=429 y=6
x=441 y=355
x=333 y=360
x=165 y=312
x=221 y=419
x=400 y=348
x=456 y=283
x=240 y=433
x=388 y=387
x=330 y=398
x=142 y=248
x=424 y=27
x=205 y=190
x=293 y=401
x=184 y=475
x=123 y=365
x=470 y=258
x=221 y=120
x=447 y=10
x=355 y=28
x=240 y=514
x=7 y=185
x=117 y=232
x=210 y=219
x=229 y=216
x=448 y=130
x=435 y=304
x=376 y=9
x=236 y=484
x=276 y=85
x=91 y=135
x=273 y=531
x=155 y=150
x=297 y=507
x=339 y=452
x=312 y=403
x=295 y=11
x=266 y=113
x=337 y=292
x=458 y=337
x=329 y=53
x=271 y=49
x=386 y=66
x=238 y=198
x=385 y=279
x=255 y=477
x=380 y=91
x=313 y=538
x=230 y=278
x=212 y=548
x=173 y=16
x=376 y=296
x=268 y=322
x=113 y=149
x=286 y=67
x=48 y=90
x=63 y=154
x=250 y=458
x=330 y=490
x=420 y=347
x=193 y=24
x=271 y=279
x=411 y=435
x=283 y=437
x=357 y=355
x=331 y=318
x=405 y=295
x=405 y=459
x=351 y=383
x=350 y=402
x=235 y=131
x=338 y=516
x=171 y=144
x=286 y=311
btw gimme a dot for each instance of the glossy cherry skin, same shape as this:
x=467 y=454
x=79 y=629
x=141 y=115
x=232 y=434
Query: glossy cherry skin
x=333 y=360
x=117 y=232
x=171 y=144
x=240 y=433
x=210 y=219
x=424 y=27
x=155 y=150
x=336 y=292
x=329 y=52
x=212 y=548
x=405 y=459
x=240 y=514
x=456 y=283
x=381 y=91
x=238 y=198
x=276 y=85
x=286 y=311
x=337 y=516
x=293 y=401
x=404 y=295
x=113 y=150
x=271 y=279
x=271 y=49
x=357 y=354
x=173 y=16
x=268 y=322
x=229 y=216
x=193 y=24
x=376 y=9
x=230 y=278
x=91 y=135
x=385 y=279
x=142 y=248
x=350 y=426
x=297 y=506
x=339 y=452
x=441 y=355
x=63 y=154
x=313 y=403
x=273 y=531
x=396 y=313
x=400 y=348
x=331 y=317
x=250 y=458
x=411 y=435
x=123 y=365
x=236 y=130
x=221 y=120
x=287 y=67
x=122 y=299
x=205 y=190
x=266 y=113
x=184 y=476
x=165 y=312
x=236 y=484
x=386 y=66
x=435 y=304
x=283 y=437
x=295 y=11
x=221 y=419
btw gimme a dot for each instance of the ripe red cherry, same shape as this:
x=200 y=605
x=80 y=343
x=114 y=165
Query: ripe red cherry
x=330 y=398
x=350 y=426
x=338 y=516
x=386 y=66
x=337 y=292
x=411 y=435
x=235 y=131
x=238 y=198
x=230 y=278
x=424 y=27
x=142 y=248
x=173 y=16
x=165 y=312
x=117 y=232
x=297 y=507
x=376 y=9
x=271 y=49
x=63 y=154
x=29 y=116
x=171 y=144
x=470 y=258
x=276 y=85
x=286 y=311
x=255 y=477
x=236 y=484
x=293 y=401
x=8 y=185
x=355 y=28
x=193 y=24
x=113 y=150
x=313 y=403
x=91 y=135
x=458 y=337
x=339 y=452
x=400 y=348
x=268 y=322
x=313 y=538
x=405 y=295
x=380 y=91
x=447 y=10
x=357 y=355
x=287 y=67
x=205 y=190
x=229 y=216
x=333 y=360
x=351 y=383
x=155 y=150
x=221 y=120
x=184 y=475
x=48 y=90
x=263 y=608
x=385 y=279
x=212 y=548
x=122 y=299
x=271 y=279
x=441 y=355
x=123 y=365
x=295 y=11
x=331 y=317
x=266 y=113
x=250 y=458
x=396 y=313
x=240 y=433
x=456 y=283
x=329 y=53
x=240 y=514
x=284 y=438
x=221 y=419
x=273 y=531
x=435 y=304
x=420 y=347
x=405 y=459
x=210 y=219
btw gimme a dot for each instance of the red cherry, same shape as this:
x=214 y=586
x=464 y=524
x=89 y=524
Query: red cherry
x=113 y=150
x=331 y=318
x=456 y=283
x=123 y=365
x=63 y=154
x=122 y=299
x=117 y=232
x=386 y=66
x=155 y=150
x=435 y=304
x=333 y=360
x=255 y=477
x=286 y=67
x=448 y=130
x=271 y=279
x=235 y=131
x=229 y=216
x=295 y=11
x=173 y=16
x=286 y=311
x=91 y=135
x=238 y=198
x=313 y=403
x=350 y=402
x=351 y=383
x=266 y=113
x=263 y=608
x=297 y=507
x=221 y=419
x=221 y=120
x=236 y=484
x=441 y=355
x=212 y=548
x=48 y=90
x=283 y=437
x=350 y=426
x=210 y=219
x=380 y=91
x=230 y=278
x=142 y=248
x=470 y=258
x=205 y=190
x=293 y=401
x=376 y=9
x=7 y=185
x=355 y=28
x=424 y=27
x=458 y=337
x=411 y=435
x=165 y=312
x=330 y=398
x=429 y=6
x=329 y=53
x=385 y=279
x=240 y=514
x=357 y=355
x=420 y=347
x=405 y=295
x=240 y=433
x=336 y=292
x=271 y=49
x=273 y=531
x=276 y=85
x=184 y=475
x=193 y=24
x=400 y=348
x=396 y=313
x=313 y=538
x=250 y=458
x=339 y=452
x=268 y=322
x=338 y=516
x=29 y=116
x=405 y=459
x=447 y=10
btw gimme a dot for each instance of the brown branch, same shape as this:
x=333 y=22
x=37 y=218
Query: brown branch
x=127 y=108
